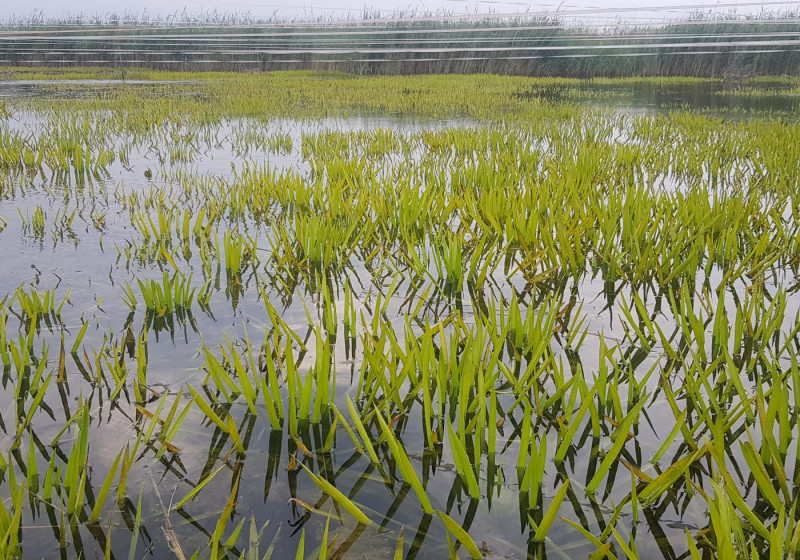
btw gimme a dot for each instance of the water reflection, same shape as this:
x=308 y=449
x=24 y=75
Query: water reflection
x=529 y=330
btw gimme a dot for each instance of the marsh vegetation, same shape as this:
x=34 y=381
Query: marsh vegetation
x=307 y=315
x=565 y=43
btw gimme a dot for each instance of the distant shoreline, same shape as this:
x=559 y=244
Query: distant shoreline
x=732 y=48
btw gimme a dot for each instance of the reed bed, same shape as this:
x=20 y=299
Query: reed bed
x=513 y=326
x=716 y=43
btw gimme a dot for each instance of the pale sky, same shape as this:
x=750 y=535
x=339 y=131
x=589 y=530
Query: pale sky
x=598 y=12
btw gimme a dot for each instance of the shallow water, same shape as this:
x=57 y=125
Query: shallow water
x=22 y=89
x=89 y=259
x=732 y=100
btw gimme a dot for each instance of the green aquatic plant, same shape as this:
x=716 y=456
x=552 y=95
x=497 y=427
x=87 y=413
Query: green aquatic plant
x=602 y=300
x=168 y=296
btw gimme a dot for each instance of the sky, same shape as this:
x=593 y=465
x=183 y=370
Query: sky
x=596 y=11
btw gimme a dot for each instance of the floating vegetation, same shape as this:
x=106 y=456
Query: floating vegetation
x=485 y=325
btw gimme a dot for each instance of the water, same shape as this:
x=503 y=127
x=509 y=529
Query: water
x=20 y=89
x=731 y=100
x=90 y=259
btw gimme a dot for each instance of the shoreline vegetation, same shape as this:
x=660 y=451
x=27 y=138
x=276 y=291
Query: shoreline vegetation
x=717 y=44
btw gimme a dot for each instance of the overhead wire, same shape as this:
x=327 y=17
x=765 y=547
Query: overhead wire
x=457 y=36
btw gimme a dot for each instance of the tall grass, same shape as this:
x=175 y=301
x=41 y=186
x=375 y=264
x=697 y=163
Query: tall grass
x=718 y=44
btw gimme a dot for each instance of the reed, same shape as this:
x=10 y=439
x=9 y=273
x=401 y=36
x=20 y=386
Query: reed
x=408 y=42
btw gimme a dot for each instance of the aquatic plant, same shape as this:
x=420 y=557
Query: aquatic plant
x=589 y=315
